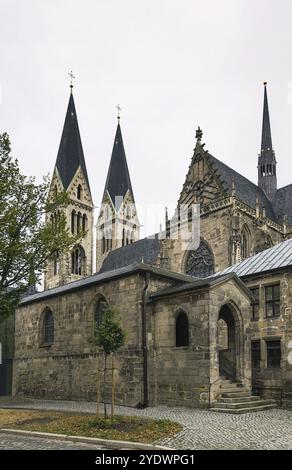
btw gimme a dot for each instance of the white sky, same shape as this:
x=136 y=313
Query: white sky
x=171 y=64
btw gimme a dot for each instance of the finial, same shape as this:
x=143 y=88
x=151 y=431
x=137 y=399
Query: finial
x=199 y=134
x=265 y=83
x=119 y=110
x=72 y=77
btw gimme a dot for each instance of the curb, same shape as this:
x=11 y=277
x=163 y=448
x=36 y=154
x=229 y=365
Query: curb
x=110 y=444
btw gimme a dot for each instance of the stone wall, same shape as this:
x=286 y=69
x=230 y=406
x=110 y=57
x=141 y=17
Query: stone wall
x=181 y=376
x=69 y=367
x=272 y=382
x=7 y=342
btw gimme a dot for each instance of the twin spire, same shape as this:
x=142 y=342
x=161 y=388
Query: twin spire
x=70 y=157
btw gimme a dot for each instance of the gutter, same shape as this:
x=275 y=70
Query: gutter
x=146 y=277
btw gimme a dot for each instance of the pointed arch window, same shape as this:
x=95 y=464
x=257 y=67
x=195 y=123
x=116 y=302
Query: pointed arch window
x=245 y=243
x=182 y=330
x=84 y=223
x=73 y=220
x=78 y=261
x=100 y=307
x=200 y=262
x=48 y=330
x=79 y=192
x=56 y=263
x=79 y=222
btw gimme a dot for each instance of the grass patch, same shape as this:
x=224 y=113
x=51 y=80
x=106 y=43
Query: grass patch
x=123 y=428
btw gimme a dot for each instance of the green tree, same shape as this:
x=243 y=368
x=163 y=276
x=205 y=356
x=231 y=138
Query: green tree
x=26 y=241
x=110 y=336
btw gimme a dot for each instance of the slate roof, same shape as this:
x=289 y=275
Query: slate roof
x=200 y=284
x=118 y=180
x=146 y=249
x=277 y=257
x=282 y=203
x=246 y=191
x=70 y=155
x=108 y=276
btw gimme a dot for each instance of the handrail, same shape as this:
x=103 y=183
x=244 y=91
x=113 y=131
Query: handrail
x=210 y=386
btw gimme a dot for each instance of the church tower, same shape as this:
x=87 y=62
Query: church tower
x=267 y=173
x=70 y=174
x=118 y=223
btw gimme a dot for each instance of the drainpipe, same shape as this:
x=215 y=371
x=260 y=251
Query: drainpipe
x=144 y=341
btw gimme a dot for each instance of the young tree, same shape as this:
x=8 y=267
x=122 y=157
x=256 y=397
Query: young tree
x=110 y=337
x=26 y=241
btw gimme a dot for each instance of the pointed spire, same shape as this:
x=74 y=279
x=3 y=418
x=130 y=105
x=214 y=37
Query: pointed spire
x=118 y=180
x=70 y=154
x=267 y=171
x=266 y=129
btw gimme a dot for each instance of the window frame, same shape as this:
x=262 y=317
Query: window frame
x=273 y=301
x=270 y=342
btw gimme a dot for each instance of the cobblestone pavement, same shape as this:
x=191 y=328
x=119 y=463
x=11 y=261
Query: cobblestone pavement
x=16 y=442
x=270 y=429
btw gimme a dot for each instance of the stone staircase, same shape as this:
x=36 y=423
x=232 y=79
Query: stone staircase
x=235 y=399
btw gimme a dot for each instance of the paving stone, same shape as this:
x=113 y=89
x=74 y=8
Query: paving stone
x=269 y=429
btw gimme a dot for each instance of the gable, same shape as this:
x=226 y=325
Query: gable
x=202 y=184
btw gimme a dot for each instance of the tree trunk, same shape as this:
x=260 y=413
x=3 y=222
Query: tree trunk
x=104 y=382
x=97 y=389
x=113 y=390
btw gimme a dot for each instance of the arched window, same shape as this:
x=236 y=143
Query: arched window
x=245 y=243
x=48 y=327
x=79 y=222
x=79 y=191
x=100 y=307
x=124 y=238
x=56 y=263
x=55 y=191
x=182 y=330
x=78 y=260
x=73 y=218
x=84 y=222
x=103 y=244
x=200 y=262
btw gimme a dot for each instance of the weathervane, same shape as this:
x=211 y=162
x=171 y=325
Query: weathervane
x=119 y=110
x=72 y=77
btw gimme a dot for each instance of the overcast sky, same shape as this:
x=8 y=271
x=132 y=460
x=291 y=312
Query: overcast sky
x=171 y=64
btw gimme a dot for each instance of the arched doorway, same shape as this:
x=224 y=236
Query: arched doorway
x=229 y=343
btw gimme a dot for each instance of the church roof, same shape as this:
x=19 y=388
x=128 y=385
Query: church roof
x=118 y=180
x=282 y=203
x=277 y=257
x=200 y=284
x=246 y=191
x=70 y=154
x=145 y=250
x=100 y=278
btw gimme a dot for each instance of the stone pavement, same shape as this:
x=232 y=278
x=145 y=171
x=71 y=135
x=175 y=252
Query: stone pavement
x=270 y=429
x=16 y=442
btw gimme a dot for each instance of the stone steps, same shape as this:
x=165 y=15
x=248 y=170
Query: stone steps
x=244 y=410
x=236 y=399
x=241 y=404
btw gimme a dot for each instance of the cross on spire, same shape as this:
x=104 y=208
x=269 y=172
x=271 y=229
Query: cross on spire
x=119 y=110
x=72 y=77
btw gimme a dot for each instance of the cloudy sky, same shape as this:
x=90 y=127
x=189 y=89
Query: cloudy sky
x=171 y=64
